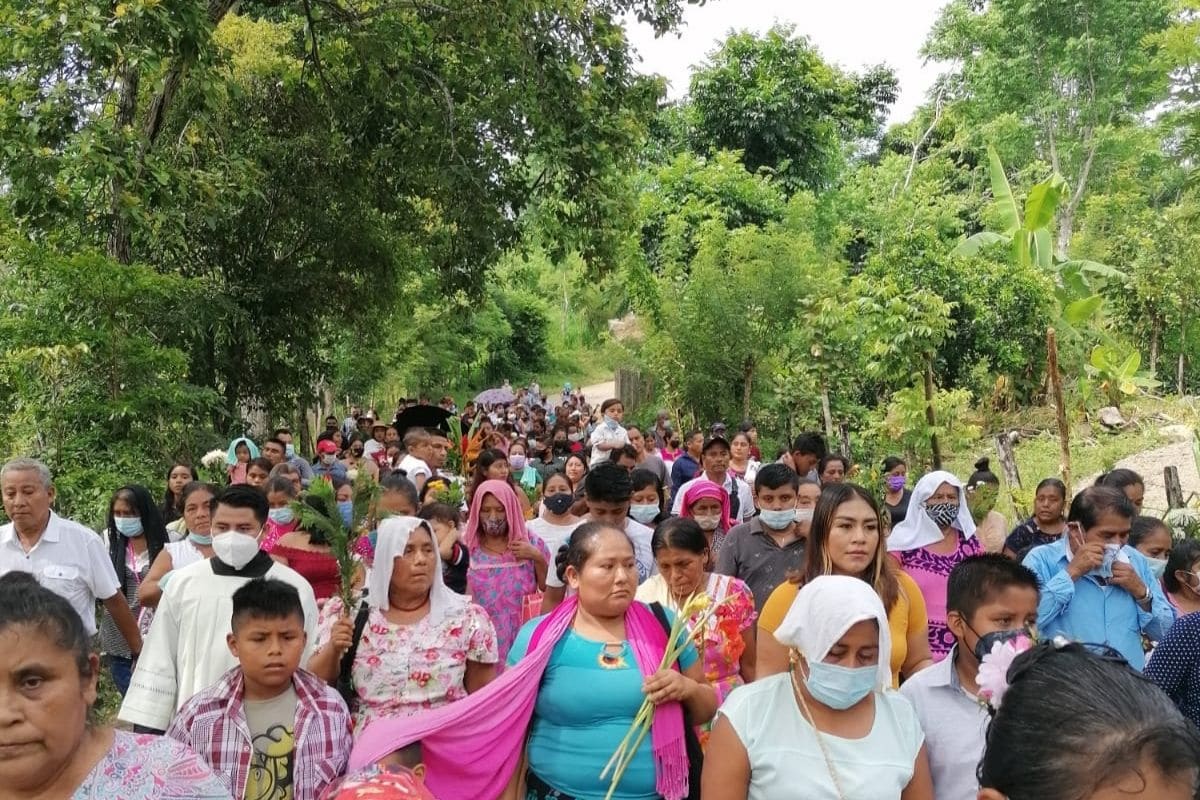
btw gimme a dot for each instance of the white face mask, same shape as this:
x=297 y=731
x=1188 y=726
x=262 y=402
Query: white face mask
x=708 y=523
x=235 y=549
x=804 y=514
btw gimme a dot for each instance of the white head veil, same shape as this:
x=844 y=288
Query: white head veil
x=394 y=533
x=827 y=607
x=917 y=529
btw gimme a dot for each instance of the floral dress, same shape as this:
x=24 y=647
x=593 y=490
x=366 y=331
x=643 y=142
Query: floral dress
x=930 y=571
x=500 y=583
x=147 y=767
x=401 y=670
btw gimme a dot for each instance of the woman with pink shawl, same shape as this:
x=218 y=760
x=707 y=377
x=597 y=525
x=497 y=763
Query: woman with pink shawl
x=508 y=563
x=576 y=680
x=708 y=504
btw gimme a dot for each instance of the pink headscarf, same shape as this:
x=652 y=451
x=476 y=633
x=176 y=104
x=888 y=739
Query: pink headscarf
x=489 y=726
x=512 y=510
x=699 y=491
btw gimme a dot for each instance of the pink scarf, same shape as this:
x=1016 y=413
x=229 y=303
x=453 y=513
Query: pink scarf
x=489 y=727
x=707 y=489
x=512 y=510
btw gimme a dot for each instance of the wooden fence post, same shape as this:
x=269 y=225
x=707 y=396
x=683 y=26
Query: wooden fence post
x=1060 y=410
x=1174 y=488
x=1008 y=465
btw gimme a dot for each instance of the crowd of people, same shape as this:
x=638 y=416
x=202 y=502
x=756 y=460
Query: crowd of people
x=513 y=631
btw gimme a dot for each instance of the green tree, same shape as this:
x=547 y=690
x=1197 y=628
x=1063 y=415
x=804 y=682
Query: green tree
x=787 y=110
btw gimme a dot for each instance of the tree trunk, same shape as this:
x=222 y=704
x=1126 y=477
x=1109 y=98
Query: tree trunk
x=1174 y=489
x=119 y=246
x=1060 y=411
x=825 y=411
x=931 y=415
x=1179 y=374
x=1155 y=336
x=844 y=438
x=747 y=387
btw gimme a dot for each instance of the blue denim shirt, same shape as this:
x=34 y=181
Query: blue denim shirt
x=1083 y=610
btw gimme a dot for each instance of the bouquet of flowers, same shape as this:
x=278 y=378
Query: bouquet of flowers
x=213 y=467
x=993 y=669
x=322 y=515
x=678 y=639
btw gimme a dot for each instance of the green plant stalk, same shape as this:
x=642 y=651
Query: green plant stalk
x=643 y=716
x=612 y=787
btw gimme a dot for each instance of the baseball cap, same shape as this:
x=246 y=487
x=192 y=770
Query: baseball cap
x=714 y=441
x=326 y=446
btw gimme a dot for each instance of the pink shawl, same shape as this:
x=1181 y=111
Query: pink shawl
x=706 y=488
x=471 y=747
x=512 y=510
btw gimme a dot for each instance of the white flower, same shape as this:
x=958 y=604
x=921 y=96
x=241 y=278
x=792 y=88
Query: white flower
x=351 y=474
x=213 y=459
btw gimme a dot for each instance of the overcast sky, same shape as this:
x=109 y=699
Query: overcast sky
x=851 y=33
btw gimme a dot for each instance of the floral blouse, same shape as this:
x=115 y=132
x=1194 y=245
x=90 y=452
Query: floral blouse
x=722 y=644
x=401 y=670
x=147 y=767
x=500 y=583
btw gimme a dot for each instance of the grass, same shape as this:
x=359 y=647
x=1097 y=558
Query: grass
x=1094 y=449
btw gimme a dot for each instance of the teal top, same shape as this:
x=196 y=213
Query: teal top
x=586 y=703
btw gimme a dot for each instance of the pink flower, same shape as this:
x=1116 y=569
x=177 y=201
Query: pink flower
x=993 y=670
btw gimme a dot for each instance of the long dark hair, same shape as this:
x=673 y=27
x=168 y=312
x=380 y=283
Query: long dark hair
x=880 y=573
x=1074 y=720
x=153 y=529
x=488 y=457
x=172 y=506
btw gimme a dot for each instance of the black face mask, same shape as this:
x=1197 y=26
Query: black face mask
x=561 y=447
x=985 y=643
x=558 y=503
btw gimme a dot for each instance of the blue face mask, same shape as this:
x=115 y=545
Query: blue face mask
x=129 y=527
x=282 y=515
x=777 y=520
x=840 y=687
x=346 y=509
x=196 y=538
x=289 y=450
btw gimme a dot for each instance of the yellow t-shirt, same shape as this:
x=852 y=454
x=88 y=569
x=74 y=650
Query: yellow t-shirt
x=272 y=725
x=907 y=615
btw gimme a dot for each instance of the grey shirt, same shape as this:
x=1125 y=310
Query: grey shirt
x=955 y=726
x=749 y=553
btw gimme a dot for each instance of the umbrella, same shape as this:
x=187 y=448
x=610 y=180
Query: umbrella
x=497 y=396
x=423 y=417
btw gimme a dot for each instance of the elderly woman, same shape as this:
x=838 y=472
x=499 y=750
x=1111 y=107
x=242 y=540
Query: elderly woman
x=847 y=539
x=508 y=563
x=708 y=504
x=575 y=682
x=727 y=639
x=936 y=535
x=828 y=723
x=196 y=501
x=420 y=645
x=47 y=747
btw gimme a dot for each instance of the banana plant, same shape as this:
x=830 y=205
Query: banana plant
x=1118 y=373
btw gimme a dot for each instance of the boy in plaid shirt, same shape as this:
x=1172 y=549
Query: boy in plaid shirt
x=268 y=728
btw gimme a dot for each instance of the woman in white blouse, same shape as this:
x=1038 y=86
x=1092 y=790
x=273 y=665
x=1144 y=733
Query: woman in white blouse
x=830 y=724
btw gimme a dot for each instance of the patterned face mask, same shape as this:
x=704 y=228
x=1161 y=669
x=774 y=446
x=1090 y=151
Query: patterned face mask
x=942 y=514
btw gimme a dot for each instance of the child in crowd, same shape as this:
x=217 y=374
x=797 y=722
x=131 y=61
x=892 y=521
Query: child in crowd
x=990 y=599
x=400 y=776
x=268 y=728
x=443 y=519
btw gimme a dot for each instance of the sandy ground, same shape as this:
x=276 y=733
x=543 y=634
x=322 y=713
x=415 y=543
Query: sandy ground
x=597 y=393
x=1150 y=465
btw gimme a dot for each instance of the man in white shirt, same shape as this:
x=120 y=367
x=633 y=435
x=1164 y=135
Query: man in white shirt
x=417 y=444
x=186 y=649
x=609 y=491
x=608 y=435
x=714 y=462
x=64 y=556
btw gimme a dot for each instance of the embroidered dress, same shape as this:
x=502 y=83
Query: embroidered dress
x=930 y=571
x=146 y=767
x=499 y=583
x=401 y=670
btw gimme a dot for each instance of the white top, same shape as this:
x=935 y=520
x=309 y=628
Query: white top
x=955 y=725
x=183 y=554
x=744 y=493
x=784 y=753
x=604 y=434
x=370 y=447
x=555 y=536
x=641 y=536
x=69 y=560
x=414 y=467
x=185 y=651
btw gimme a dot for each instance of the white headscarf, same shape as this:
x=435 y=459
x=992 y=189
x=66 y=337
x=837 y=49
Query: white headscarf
x=827 y=607
x=917 y=529
x=394 y=533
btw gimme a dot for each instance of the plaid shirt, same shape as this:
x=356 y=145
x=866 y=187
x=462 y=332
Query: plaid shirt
x=213 y=723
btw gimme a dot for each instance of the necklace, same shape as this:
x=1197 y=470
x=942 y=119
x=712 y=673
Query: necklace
x=610 y=660
x=837 y=784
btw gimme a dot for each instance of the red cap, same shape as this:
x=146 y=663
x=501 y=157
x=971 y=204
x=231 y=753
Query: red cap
x=326 y=446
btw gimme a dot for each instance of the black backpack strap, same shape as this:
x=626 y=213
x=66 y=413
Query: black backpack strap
x=695 y=752
x=345 y=682
x=661 y=614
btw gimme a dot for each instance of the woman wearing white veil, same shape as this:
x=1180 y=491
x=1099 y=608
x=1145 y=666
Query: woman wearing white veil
x=935 y=536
